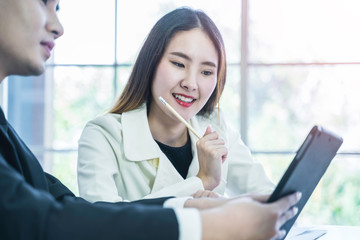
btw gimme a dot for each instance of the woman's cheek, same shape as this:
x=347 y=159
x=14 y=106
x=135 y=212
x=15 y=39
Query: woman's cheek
x=211 y=87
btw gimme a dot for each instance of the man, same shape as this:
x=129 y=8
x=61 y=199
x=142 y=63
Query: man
x=35 y=205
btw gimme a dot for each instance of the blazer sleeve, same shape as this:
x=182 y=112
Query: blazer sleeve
x=28 y=213
x=97 y=168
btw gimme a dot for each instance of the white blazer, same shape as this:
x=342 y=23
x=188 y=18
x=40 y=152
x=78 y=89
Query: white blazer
x=119 y=160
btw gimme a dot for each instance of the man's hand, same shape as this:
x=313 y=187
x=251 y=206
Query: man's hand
x=204 y=199
x=247 y=218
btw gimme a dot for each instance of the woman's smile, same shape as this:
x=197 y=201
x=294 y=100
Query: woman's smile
x=184 y=100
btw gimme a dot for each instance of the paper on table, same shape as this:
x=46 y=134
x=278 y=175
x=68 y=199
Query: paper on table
x=305 y=234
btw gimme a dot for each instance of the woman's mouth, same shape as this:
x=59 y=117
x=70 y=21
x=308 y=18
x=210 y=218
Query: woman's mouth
x=183 y=100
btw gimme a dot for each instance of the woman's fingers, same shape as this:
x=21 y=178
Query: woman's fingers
x=207 y=131
x=205 y=193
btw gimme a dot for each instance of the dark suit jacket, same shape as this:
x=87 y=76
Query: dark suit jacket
x=36 y=205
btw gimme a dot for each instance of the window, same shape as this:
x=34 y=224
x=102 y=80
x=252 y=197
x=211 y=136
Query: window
x=291 y=64
x=303 y=69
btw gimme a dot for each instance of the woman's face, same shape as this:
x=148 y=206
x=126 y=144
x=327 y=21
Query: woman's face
x=186 y=75
x=31 y=28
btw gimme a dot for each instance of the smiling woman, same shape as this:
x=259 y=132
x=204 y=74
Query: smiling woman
x=185 y=77
x=141 y=150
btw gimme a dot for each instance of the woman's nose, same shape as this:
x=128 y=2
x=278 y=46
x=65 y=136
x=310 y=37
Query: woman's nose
x=189 y=82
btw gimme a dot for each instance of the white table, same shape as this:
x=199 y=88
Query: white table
x=332 y=232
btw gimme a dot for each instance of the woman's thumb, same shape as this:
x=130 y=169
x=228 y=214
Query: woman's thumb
x=208 y=130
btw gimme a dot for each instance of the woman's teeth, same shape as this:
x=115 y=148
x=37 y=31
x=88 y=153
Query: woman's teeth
x=184 y=99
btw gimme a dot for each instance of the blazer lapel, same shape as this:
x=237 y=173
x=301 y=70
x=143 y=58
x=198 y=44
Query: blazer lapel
x=31 y=168
x=19 y=156
x=166 y=174
x=7 y=148
x=139 y=144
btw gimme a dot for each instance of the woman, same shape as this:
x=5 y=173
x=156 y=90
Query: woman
x=140 y=150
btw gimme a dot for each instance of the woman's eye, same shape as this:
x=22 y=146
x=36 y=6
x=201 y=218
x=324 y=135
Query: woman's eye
x=207 y=73
x=178 y=64
x=45 y=1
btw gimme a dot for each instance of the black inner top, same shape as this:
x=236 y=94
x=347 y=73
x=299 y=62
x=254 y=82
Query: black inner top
x=180 y=157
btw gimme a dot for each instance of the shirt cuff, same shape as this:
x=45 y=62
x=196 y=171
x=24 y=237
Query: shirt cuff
x=189 y=223
x=176 y=202
x=188 y=219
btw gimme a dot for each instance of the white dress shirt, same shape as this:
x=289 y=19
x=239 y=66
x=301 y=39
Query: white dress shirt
x=189 y=219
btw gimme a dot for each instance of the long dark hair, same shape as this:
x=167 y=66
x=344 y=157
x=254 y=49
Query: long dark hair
x=138 y=88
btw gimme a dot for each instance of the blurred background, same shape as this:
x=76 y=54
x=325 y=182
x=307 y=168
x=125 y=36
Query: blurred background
x=291 y=65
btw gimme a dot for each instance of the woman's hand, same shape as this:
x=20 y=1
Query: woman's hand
x=211 y=154
x=206 y=194
x=205 y=199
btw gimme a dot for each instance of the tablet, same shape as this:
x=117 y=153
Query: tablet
x=307 y=168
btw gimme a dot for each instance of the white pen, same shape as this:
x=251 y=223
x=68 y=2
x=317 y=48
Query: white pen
x=179 y=117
